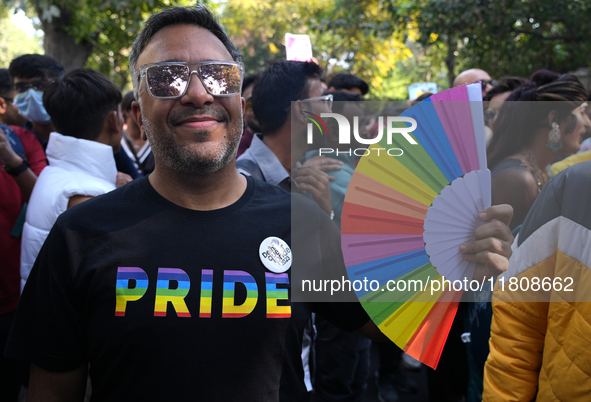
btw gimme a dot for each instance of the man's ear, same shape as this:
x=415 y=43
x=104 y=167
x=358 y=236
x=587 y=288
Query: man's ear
x=113 y=122
x=137 y=116
x=298 y=111
x=3 y=106
x=114 y=129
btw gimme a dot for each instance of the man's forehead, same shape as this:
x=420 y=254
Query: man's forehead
x=183 y=43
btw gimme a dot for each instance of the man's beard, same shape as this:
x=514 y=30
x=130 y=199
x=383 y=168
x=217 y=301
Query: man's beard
x=183 y=159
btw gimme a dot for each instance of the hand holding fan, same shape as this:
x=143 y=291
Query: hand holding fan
x=404 y=218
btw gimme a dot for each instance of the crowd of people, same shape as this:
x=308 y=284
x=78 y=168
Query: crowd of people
x=148 y=239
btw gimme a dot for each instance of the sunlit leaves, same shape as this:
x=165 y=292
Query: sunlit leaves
x=14 y=41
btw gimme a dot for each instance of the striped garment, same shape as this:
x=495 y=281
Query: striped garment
x=540 y=346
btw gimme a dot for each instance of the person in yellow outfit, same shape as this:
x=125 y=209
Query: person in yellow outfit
x=540 y=345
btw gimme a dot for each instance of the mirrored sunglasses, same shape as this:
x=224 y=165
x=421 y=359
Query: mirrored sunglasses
x=170 y=80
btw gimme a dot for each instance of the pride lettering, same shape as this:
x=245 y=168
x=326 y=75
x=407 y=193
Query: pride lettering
x=229 y=309
x=132 y=284
x=173 y=285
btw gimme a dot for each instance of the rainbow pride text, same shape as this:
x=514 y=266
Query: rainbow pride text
x=173 y=286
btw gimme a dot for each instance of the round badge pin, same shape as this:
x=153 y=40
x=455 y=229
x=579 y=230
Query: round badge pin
x=275 y=254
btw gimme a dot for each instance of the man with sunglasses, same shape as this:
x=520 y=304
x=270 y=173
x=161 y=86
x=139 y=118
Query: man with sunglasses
x=472 y=76
x=177 y=286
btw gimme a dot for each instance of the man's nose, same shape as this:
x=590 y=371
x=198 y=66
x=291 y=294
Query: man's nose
x=196 y=93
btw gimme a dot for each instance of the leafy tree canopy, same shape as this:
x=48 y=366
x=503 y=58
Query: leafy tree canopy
x=14 y=41
x=504 y=37
x=92 y=33
x=388 y=43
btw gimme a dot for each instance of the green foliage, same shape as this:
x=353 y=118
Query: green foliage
x=113 y=26
x=346 y=35
x=426 y=65
x=110 y=25
x=258 y=28
x=14 y=41
x=504 y=37
x=388 y=43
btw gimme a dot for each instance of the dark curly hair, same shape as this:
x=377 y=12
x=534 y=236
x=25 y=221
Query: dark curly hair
x=505 y=84
x=528 y=107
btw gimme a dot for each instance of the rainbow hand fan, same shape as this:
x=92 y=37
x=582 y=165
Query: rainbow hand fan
x=404 y=218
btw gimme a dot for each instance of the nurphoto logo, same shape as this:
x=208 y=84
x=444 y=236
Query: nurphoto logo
x=345 y=133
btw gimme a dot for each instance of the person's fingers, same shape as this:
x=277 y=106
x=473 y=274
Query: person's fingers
x=310 y=171
x=503 y=213
x=473 y=251
x=490 y=244
x=491 y=248
x=330 y=168
x=317 y=182
x=496 y=229
x=488 y=257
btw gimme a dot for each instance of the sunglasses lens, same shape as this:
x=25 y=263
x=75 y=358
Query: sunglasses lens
x=248 y=106
x=167 y=81
x=221 y=79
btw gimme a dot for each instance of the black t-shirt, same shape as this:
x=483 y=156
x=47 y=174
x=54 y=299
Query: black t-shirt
x=168 y=303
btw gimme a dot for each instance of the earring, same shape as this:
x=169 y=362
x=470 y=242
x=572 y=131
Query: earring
x=554 y=138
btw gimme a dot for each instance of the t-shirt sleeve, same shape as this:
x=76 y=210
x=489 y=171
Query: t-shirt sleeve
x=33 y=150
x=48 y=326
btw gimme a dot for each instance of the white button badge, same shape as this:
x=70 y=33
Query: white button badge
x=275 y=255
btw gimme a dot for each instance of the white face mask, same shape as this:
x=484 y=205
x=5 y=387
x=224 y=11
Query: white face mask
x=30 y=105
